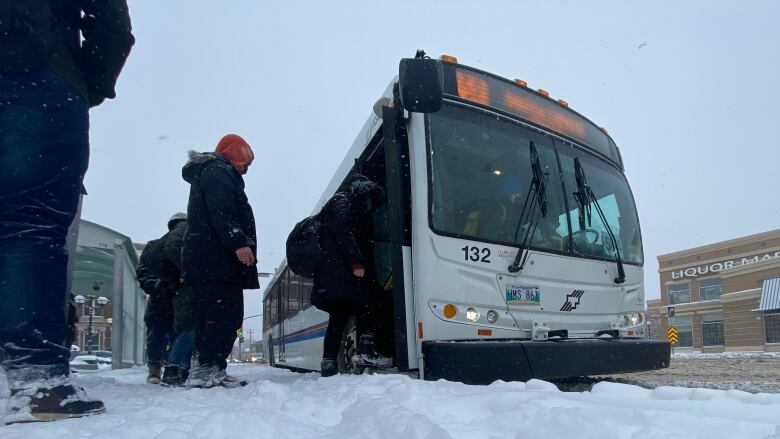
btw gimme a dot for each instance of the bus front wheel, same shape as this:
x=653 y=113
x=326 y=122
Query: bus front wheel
x=348 y=348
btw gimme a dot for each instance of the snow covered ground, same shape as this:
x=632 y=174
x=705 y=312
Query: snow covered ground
x=283 y=404
x=754 y=372
x=726 y=355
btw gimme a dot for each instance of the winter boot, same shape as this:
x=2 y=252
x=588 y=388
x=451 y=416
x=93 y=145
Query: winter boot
x=367 y=355
x=50 y=400
x=228 y=381
x=202 y=376
x=154 y=374
x=172 y=377
x=328 y=367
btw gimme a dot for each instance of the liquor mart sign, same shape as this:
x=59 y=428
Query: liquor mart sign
x=717 y=267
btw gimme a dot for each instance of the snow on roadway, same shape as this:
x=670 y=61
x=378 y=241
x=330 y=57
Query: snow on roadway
x=282 y=404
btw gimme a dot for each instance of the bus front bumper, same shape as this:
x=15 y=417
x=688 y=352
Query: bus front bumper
x=485 y=361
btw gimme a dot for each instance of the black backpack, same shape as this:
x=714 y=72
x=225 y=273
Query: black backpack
x=304 y=252
x=151 y=267
x=27 y=31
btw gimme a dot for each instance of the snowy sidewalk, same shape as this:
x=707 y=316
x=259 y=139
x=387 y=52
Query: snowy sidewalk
x=282 y=404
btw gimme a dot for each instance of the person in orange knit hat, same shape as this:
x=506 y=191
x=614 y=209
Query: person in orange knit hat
x=218 y=255
x=234 y=148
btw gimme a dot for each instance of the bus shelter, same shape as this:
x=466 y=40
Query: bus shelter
x=103 y=265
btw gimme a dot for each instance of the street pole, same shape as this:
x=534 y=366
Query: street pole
x=91 y=307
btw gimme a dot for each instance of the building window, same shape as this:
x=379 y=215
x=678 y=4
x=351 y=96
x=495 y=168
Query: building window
x=712 y=329
x=98 y=310
x=772 y=327
x=710 y=289
x=684 y=325
x=679 y=293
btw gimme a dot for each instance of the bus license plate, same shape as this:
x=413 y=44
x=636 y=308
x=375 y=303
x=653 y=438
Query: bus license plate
x=522 y=294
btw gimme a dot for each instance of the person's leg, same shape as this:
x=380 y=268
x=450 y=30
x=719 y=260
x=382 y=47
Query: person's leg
x=186 y=310
x=378 y=320
x=181 y=352
x=155 y=344
x=337 y=320
x=373 y=344
x=178 y=366
x=156 y=340
x=224 y=304
x=44 y=151
x=224 y=311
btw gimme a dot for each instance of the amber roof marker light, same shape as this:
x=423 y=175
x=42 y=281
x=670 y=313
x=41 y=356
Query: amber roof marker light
x=449 y=59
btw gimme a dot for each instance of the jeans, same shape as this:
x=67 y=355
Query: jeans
x=221 y=314
x=44 y=151
x=157 y=337
x=181 y=351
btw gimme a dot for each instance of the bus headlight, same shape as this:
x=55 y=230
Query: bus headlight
x=492 y=317
x=472 y=314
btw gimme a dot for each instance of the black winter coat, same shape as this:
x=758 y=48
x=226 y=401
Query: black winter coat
x=159 y=274
x=93 y=39
x=220 y=221
x=346 y=238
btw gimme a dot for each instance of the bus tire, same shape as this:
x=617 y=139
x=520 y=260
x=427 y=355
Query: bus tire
x=347 y=349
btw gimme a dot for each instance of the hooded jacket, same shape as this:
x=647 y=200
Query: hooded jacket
x=159 y=273
x=346 y=238
x=220 y=221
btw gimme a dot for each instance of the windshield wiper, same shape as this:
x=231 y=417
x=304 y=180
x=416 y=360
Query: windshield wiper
x=538 y=205
x=585 y=197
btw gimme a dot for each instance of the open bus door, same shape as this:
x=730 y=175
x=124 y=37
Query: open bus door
x=396 y=151
x=419 y=90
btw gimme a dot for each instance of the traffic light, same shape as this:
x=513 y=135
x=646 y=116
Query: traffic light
x=240 y=334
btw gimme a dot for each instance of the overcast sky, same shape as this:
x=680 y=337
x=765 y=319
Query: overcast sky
x=688 y=90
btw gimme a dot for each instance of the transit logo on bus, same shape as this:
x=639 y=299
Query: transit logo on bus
x=522 y=294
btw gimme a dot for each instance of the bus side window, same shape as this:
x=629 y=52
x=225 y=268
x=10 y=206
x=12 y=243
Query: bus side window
x=285 y=285
x=306 y=287
x=293 y=295
x=266 y=313
x=273 y=305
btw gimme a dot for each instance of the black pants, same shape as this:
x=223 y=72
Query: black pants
x=158 y=337
x=221 y=314
x=376 y=318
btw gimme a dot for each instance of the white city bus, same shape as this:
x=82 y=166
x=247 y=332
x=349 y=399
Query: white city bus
x=510 y=242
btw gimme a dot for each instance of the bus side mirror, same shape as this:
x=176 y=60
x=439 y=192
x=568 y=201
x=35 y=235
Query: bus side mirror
x=420 y=84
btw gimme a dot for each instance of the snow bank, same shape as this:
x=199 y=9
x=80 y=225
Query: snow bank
x=283 y=404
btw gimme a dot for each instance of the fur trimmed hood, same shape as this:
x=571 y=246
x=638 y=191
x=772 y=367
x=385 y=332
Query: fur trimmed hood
x=195 y=162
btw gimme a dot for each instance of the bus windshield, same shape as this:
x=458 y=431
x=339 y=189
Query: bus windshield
x=481 y=175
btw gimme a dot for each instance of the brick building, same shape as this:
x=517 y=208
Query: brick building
x=723 y=296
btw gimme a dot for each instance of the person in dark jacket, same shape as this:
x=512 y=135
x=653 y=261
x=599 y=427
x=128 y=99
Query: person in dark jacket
x=58 y=58
x=218 y=258
x=159 y=274
x=346 y=285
